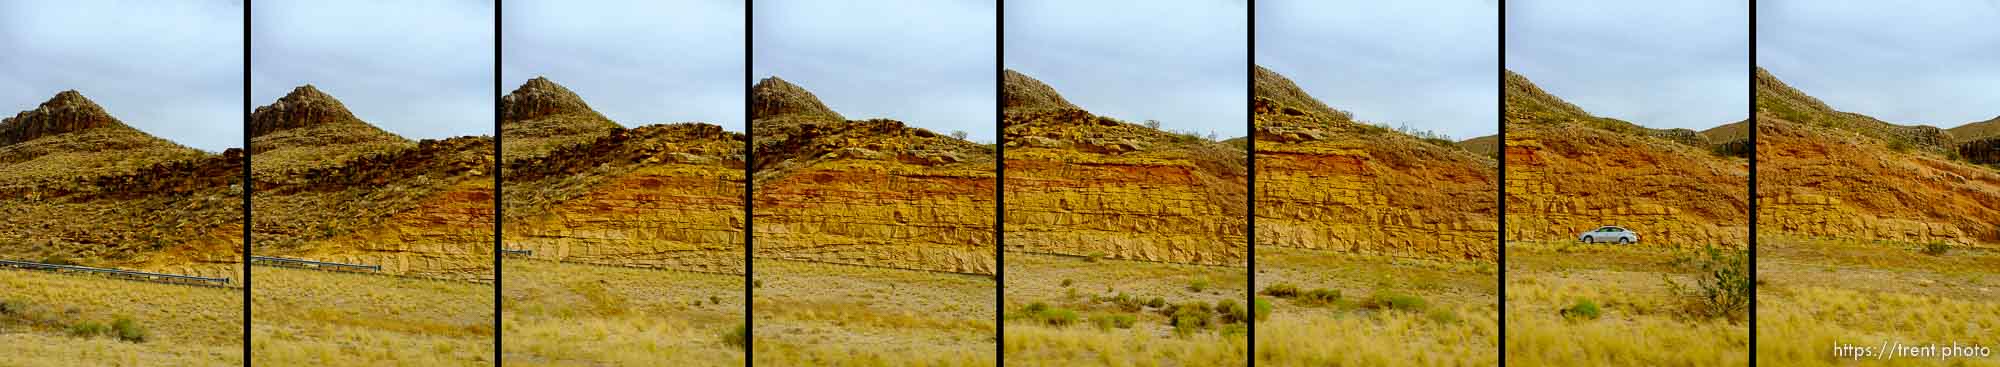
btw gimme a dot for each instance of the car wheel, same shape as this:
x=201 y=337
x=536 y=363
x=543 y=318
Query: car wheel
x=1587 y=239
x=1625 y=240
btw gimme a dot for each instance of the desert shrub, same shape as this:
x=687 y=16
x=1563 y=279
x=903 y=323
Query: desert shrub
x=1936 y=248
x=1187 y=318
x=1198 y=285
x=1114 y=320
x=1068 y=282
x=1899 y=145
x=1319 y=297
x=127 y=330
x=1128 y=303
x=1049 y=315
x=715 y=300
x=1261 y=308
x=1385 y=300
x=1231 y=312
x=737 y=337
x=1156 y=302
x=1153 y=124
x=1282 y=290
x=756 y=283
x=1583 y=310
x=1442 y=315
x=1722 y=284
x=9 y=307
x=88 y=329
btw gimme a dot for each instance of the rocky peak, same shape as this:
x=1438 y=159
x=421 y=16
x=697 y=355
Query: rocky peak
x=1026 y=93
x=774 y=97
x=304 y=106
x=1270 y=84
x=540 y=97
x=66 y=112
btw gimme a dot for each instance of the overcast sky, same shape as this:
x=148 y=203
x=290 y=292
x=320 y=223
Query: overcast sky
x=1917 y=62
x=638 y=62
x=170 y=68
x=420 y=69
x=928 y=63
x=1426 y=64
x=1182 y=62
x=1662 y=64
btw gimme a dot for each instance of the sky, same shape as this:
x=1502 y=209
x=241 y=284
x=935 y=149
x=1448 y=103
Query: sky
x=173 y=69
x=638 y=62
x=419 y=69
x=927 y=63
x=1916 y=62
x=1661 y=64
x=1425 y=64
x=1184 y=63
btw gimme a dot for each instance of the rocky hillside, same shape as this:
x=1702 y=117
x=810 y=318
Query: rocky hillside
x=79 y=186
x=1328 y=182
x=1569 y=171
x=1086 y=185
x=867 y=192
x=580 y=188
x=1827 y=173
x=1979 y=142
x=332 y=187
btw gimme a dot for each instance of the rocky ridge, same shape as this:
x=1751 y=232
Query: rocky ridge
x=1086 y=185
x=1569 y=171
x=1327 y=182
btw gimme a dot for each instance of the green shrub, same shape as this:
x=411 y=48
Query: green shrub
x=1187 y=318
x=127 y=330
x=1261 y=308
x=1392 y=301
x=1231 y=312
x=1068 y=282
x=1722 y=285
x=1319 y=297
x=1282 y=290
x=1899 y=145
x=737 y=337
x=9 y=307
x=88 y=329
x=1936 y=248
x=1127 y=303
x=1583 y=310
x=1115 y=320
x=1156 y=302
x=1198 y=285
x=1049 y=315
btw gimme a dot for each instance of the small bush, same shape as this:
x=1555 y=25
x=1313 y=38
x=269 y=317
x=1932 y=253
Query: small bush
x=715 y=300
x=1583 y=310
x=1282 y=290
x=1068 y=282
x=1261 y=309
x=88 y=329
x=1393 y=301
x=737 y=337
x=1198 y=285
x=1109 y=321
x=1936 y=248
x=1319 y=297
x=1049 y=315
x=1128 y=303
x=127 y=330
x=756 y=283
x=1899 y=146
x=1442 y=315
x=1231 y=312
x=1722 y=284
x=9 y=307
x=1156 y=302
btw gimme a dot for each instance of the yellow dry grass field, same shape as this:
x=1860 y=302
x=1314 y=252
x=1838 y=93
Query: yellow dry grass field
x=1571 y=304
x=325 y=318
x=1340 y=309
x=563 y=314
x=1815 y=294
x=1078 y=311
x=816 y=314
x=49 y=319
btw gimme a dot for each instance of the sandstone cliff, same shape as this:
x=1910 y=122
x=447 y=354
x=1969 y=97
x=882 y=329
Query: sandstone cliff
x=331 y=187
x=1085 y=185
x=1328 y=182
x=866 y=192
x=1569 y=171
x=77 y=185
x=581 y=189
x=1827 y=173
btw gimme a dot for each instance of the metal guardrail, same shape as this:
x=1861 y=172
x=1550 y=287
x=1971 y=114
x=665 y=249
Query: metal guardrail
x=517 y=252
x=309 y=264
x=138 y=275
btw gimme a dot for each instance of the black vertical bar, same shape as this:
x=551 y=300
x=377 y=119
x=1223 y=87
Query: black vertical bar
x=1000 y=183
x=1500 y=117
x=749 y=206
x=1250 y=150
x=498 y=297
x=1752 y=81
x=247 y=183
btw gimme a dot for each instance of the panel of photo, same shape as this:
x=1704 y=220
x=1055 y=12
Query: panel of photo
x=1126 y=183
x=873 y=170
x=1627 y=183
x=622 y=192
x=121 y=193
x=1377 y=182
x=1878 y=180
x=372 y=159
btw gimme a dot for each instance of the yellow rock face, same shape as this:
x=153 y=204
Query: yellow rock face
x=1565 y=179
x=880 y=213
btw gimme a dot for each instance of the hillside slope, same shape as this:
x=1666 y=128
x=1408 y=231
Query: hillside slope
x=1569 y=171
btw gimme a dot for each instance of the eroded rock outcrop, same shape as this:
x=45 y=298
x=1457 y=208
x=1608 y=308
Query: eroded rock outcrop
x=1085 y=185
x=867 y=192
x=1569 y=172
x=1327 y=182
x=541 y=116
x=1826 y=173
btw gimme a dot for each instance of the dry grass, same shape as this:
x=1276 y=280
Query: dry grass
x=1459 y=327
x=1818 y=293
x=812 y=314
x=1091 y=287
x=1642 y=321
x=559 y=314
x=184 y=325
x=307 y=317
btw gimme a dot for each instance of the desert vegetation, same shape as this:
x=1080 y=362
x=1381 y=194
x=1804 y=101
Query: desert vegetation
x=1070 y=310
x=49 y=319
x=558 y=314
x=1814 y=293
x=819 y=314
x=1579 y=304
x=1375 y=310
x=323 y=318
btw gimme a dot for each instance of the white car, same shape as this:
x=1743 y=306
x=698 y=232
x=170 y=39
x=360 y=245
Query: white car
x=1613 y=234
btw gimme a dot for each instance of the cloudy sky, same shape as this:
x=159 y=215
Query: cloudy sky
x=420 y=69
x=1182 y=62
x=171 y=68
x=1662 y=64
x=638 y=62
x=1918 y=62
x=1425 y=64
x=928 y=63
